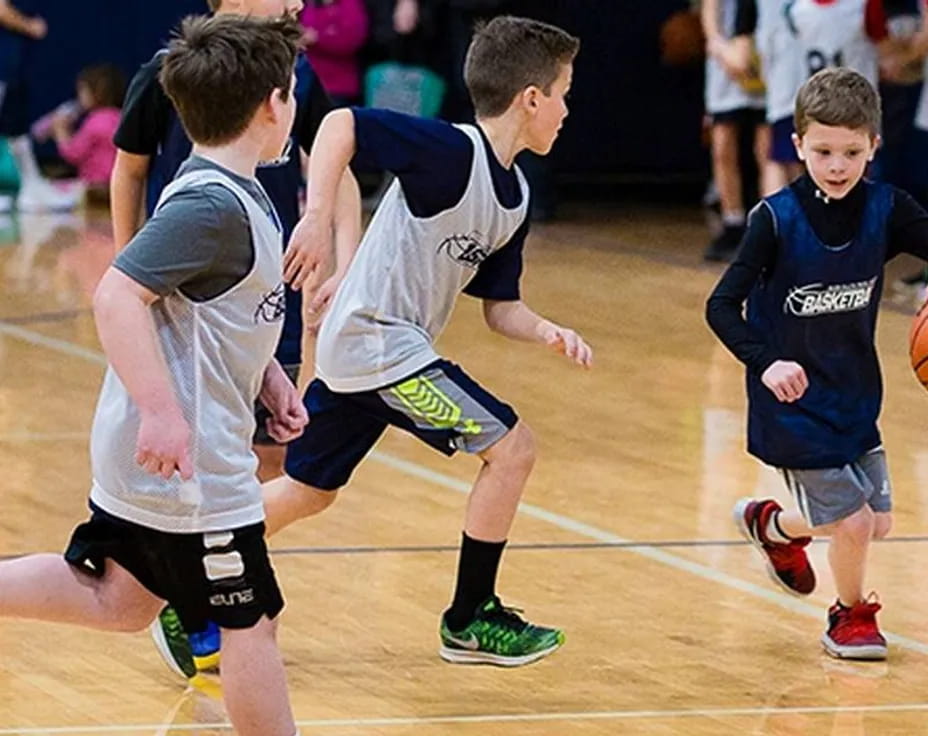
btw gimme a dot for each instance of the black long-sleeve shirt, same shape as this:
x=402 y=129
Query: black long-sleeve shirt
x=835 y=222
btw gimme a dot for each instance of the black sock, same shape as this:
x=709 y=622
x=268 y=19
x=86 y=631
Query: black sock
x=477 y=566
x=776 y=525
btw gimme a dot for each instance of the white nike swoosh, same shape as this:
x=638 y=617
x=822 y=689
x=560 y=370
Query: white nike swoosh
x=471 y=643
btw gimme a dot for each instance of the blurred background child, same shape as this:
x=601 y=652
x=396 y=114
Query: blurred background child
x=335 y=32
x=83 y=132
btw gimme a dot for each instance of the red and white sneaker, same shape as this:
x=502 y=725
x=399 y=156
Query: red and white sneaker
x=787 y=564
x=853 y=632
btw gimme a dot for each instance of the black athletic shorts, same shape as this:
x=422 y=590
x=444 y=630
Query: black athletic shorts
x=223 y=576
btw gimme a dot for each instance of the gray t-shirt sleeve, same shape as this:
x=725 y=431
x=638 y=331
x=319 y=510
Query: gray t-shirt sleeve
x=199 y=242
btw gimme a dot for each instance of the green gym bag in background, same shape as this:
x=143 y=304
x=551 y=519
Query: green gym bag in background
x=414 y=90
x=9 y=173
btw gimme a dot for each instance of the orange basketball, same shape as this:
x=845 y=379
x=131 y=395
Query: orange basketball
x=918 y=344
x=681 y=39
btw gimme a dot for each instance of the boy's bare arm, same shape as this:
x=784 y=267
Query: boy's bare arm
x=347 y=239
x=127 y=187
x=122 y=312
x=11 y=18
x=310 y=248
x=514 y=319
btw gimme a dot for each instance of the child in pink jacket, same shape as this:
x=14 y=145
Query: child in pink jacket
x=90 y=148
x=335 y=32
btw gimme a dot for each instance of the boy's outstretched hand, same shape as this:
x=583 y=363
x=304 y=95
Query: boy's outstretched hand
x=786 y=379
x=569 y=344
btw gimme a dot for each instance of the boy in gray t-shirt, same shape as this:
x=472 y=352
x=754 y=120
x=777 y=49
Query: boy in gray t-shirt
x=189 y=319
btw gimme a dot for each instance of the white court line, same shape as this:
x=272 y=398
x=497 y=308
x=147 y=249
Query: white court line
x=607 y=715
x=26 y=436
x=52 y=343
x=651 y=553
x=537 y=512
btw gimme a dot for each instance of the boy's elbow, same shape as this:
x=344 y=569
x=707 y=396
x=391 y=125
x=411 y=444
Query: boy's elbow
x=712 y=312
x=102 y=298
x=130 y=166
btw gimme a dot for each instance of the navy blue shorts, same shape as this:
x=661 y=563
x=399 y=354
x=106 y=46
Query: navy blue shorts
x=441 y=405
x=782 y=150
x=747 y=117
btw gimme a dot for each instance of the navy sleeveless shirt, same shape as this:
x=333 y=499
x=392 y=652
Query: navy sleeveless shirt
x=818 y=307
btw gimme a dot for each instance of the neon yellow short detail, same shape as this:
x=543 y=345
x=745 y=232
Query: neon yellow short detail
x=426 y=401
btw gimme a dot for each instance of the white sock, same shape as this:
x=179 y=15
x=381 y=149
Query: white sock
x=773 y=533
x=735 y=218
x=21 y=148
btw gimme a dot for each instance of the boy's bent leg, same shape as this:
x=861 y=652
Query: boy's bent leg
x=47 y=588
x=840 y=503
x=250 y=657
x=287 y=500
x=477 y=628
x=492 y=504
x=446 y=408
x=491 y=507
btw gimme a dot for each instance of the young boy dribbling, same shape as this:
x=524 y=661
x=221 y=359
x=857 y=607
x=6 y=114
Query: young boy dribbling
x=810 y=270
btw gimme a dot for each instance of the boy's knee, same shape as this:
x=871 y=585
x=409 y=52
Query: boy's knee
x=882 y=523
x=316 y=501
x=859 y=525
x=516 y=449
x=129 y=619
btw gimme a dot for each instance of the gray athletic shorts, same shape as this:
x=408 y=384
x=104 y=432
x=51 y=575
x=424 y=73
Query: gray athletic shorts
x=827 y=495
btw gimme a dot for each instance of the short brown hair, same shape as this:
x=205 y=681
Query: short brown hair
x=838 y=96
x=214 y=4
x=509 y=54
x=106 y=84
x=219 y=70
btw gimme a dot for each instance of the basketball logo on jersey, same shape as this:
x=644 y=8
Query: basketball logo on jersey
x=468 y=250
x=812 y=300
x=272 y=306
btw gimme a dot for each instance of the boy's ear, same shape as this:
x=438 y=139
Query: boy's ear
x=877 y=142
x=530 y=96
x=797 y=143
x=270 y=106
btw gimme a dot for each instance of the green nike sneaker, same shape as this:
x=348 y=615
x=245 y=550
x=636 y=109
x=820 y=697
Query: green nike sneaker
x=498 y=635
x=172 y=643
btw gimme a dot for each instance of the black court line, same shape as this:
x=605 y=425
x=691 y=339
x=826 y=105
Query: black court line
x=530 y=546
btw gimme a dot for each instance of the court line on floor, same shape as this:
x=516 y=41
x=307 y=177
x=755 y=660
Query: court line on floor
x=516 y=546
x=499 y=718
x=561 y=521
x=47 y=317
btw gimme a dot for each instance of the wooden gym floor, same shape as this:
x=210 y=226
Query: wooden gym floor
x=624 y=538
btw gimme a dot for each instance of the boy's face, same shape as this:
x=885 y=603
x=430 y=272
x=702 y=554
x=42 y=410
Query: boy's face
x=284 y=112
x=547 y=112
x=262 y=8
x=836 y=157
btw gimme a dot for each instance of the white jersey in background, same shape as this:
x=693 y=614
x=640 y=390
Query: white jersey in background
x=402 y=285
x=722 y=93
x=834 y=34
x=780 y=58
x=216 y=353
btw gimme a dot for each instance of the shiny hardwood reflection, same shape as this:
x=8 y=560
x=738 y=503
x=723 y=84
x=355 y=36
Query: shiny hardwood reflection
x=625 y=540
